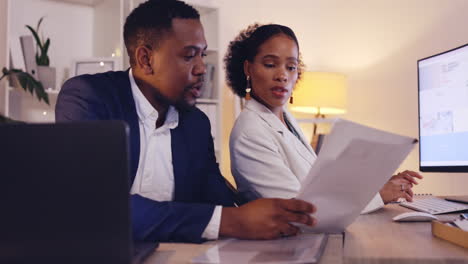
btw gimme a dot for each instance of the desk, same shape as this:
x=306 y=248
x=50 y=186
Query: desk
x=375 y=238
x=372 y=238
x=178 y=253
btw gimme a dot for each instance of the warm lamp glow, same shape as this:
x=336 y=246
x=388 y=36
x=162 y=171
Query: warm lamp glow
x=321 y=93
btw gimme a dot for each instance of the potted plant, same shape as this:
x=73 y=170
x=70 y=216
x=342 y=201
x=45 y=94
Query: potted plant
x=46 y=74
x=19 y=78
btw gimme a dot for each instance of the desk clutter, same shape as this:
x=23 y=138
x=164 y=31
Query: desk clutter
x=455 y=231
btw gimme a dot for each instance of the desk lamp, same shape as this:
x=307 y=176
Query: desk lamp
x=320 y=94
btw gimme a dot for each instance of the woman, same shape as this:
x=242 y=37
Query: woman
x=269 y=154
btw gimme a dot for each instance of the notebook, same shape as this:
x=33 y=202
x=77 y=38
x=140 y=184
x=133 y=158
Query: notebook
x=65 y=194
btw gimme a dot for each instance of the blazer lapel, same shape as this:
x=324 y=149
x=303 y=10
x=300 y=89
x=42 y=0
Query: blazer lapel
x=302 y=146
x=266 y=115
x=304 y=150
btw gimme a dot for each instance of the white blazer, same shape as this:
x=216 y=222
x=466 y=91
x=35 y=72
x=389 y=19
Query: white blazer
x=268 y=160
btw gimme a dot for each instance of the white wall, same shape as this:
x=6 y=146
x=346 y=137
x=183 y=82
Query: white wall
x=376 y=43
x=108 y=31
x=69 y=27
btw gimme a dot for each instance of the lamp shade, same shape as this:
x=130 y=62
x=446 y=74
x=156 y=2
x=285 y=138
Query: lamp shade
x=320 y=93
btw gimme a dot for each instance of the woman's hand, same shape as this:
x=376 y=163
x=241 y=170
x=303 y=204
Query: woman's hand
x=399 y=186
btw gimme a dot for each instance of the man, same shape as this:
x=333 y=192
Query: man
x=178 y=193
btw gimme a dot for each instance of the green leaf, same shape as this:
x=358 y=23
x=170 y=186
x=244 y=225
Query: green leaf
x=23 y=82
x=46 y=46
x=39 y=24
x=40 y=91
x=42 y=47
x=41 y=94
x=16 y=70
x=44 y=58
x=28 y=83
x=36 y=37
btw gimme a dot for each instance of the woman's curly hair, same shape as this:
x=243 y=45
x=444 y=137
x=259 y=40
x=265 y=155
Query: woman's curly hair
x=245 y=47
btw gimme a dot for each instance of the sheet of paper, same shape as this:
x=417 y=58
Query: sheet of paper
x=354 y=163
x=304 y=248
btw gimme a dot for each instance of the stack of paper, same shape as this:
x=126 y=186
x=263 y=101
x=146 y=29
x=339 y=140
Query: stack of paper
x=354 y=163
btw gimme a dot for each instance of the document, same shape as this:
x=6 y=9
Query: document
x=354 y=163
x=303 y=248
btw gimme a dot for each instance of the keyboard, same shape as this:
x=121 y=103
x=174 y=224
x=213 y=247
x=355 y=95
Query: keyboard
x=434 y=205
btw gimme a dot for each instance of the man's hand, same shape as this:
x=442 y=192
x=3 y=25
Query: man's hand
x=266 y=218
x=399 y=186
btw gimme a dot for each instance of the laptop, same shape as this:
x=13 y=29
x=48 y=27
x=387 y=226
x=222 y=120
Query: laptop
x=64 y=194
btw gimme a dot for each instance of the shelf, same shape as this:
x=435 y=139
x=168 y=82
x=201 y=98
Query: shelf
x=48 y=91
x=207 y=101
x=211 y=51
x=97 y=32
x=52 y=92
x=81 y=2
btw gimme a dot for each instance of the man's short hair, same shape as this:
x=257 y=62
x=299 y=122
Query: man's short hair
x=150 y=21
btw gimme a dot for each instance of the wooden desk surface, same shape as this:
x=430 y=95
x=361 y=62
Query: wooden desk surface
x=372 y=238
x=178 y=253
x=375 y=238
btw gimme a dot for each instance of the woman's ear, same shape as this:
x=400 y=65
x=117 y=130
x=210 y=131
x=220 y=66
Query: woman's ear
x=143 y=57
x=247 y=68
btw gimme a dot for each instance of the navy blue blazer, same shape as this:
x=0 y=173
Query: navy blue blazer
x=199 y=185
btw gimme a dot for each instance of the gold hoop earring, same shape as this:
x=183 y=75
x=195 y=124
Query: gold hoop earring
x=248 y=89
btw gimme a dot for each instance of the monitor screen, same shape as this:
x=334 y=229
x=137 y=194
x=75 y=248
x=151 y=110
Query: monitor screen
x=443 y=111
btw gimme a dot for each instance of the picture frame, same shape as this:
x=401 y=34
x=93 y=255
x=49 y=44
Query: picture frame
x=94 y=65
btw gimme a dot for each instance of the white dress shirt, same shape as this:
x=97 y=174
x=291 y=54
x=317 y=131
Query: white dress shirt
x=155 y=175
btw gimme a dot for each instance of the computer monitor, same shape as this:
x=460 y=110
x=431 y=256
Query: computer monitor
x=443 y=111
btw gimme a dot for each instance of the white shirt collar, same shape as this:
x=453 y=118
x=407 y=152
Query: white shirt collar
x=146 y=111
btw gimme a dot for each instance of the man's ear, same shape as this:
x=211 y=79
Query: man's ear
x=247 y=68
x=143 y=60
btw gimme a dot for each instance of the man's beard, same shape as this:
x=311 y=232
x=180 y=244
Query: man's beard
x=182 y=104
x=161 y=98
